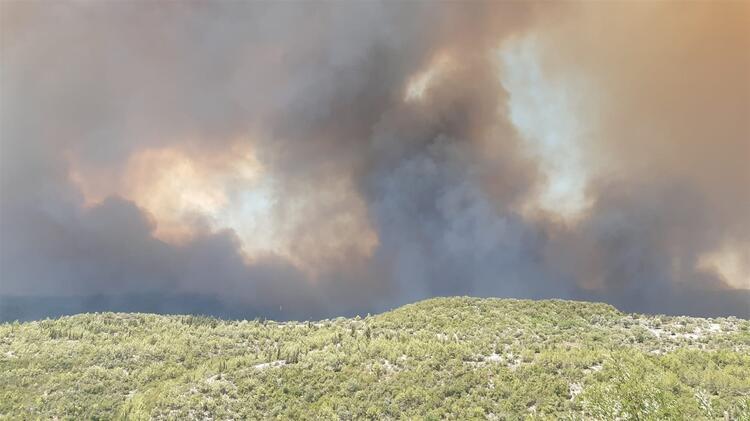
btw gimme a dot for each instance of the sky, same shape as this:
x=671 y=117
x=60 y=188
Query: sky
x=315 y=159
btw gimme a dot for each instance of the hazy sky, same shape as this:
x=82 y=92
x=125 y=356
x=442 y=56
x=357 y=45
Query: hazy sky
x=299 y=160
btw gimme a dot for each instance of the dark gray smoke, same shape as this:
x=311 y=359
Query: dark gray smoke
x=377 y=200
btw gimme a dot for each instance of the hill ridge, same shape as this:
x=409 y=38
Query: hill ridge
x=456 y=357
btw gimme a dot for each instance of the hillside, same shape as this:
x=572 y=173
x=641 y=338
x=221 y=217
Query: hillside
x=455 y=358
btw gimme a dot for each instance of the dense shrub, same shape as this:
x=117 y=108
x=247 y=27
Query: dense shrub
x=450 y=358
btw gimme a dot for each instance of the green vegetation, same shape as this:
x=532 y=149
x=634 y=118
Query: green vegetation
x=447 y=358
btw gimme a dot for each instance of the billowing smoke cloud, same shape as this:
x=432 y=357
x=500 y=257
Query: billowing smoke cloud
x=670 y=135
x=309 y=160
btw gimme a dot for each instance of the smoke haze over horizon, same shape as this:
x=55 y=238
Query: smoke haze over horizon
x=305 y=160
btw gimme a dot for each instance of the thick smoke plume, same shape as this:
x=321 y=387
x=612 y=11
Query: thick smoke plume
x=309 y=160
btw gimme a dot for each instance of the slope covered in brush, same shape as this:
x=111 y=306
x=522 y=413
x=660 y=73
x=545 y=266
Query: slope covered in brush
x=456 y=358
